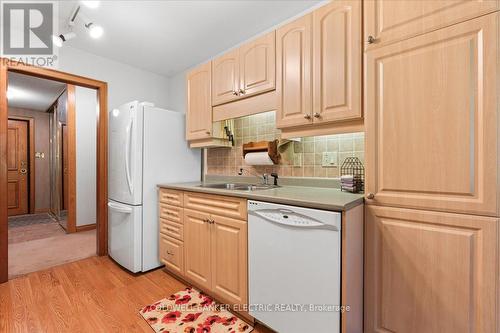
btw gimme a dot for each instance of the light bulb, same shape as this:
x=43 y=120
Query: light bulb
x=91 y=4
x=95 y=31
x=57 y=41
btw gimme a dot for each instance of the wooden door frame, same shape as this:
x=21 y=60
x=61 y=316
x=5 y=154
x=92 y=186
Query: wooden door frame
x=31 y=154
x=6 y=66
x=71 y=127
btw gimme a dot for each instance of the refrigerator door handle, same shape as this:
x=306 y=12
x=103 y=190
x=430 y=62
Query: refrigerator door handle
x=127 y=156
x=120 y=208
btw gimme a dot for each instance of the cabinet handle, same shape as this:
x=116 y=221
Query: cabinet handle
x=211 y=221
x=307 y=116
x=317 y=115
x=170 y=253
x=207 y=132
x=235 y=93
x=370 y=196
x=242 y=91
x=371 y=40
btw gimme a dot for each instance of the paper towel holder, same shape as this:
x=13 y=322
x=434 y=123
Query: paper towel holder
x=270 y=146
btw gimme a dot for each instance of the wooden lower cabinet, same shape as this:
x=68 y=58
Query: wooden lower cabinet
x=171 y=253
x=429 y=271
x=203 y=239
x=197 y=245
x=229 y=259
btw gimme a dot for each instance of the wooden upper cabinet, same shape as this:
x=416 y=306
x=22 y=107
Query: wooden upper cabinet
x=294 y=73
x=432 y=122
x=337 y=60
x=199 y=103
x=197 y=244
x=257 y=65
x=225 y=78
x=229 y=260
x=429 y=272
x=388 y=20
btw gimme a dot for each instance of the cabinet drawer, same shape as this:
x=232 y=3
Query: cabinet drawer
x=171 y=213
x=171 y=197
x=172 y=229
x=216 y=204
x=171 y=254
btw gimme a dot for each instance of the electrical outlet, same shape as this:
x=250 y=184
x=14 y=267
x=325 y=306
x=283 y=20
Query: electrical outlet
x=329 y=159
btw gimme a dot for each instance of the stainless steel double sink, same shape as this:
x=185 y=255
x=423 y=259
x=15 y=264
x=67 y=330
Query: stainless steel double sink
x=239 y=186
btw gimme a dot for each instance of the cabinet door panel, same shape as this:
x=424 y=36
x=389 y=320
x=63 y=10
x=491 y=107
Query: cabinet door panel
x=225 y=78
x=389 y=20
x=257 y=65
x=294 y=72
x=429 y=272
x=197 y=245
x=229 y=260
x=199 y=103
x=337 y=57
x=432 y=120
x=171 y=254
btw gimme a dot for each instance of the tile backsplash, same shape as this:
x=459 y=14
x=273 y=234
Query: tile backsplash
x=298 y=158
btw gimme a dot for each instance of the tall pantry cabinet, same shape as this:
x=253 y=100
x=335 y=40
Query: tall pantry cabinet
x=432 y=124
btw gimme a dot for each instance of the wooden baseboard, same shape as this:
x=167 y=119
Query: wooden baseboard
x=85 y=227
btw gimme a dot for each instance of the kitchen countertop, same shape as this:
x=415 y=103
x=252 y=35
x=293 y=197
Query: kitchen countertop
x=311 y=197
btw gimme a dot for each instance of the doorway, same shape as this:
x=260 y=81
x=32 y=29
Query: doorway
x=9 y=203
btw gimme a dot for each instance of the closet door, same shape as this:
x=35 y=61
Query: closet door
x=257 y=65
x=432 y=123
x=337 y=59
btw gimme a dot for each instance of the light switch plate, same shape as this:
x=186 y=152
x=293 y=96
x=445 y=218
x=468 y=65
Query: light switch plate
x=329 y=159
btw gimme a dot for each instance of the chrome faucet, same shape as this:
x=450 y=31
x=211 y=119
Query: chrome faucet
x=264 y=177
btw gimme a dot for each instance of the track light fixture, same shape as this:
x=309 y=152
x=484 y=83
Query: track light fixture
x=59 y=40
x=95 y=31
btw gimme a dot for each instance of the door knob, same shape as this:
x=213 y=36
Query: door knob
x=317 y=115
x=371 y=40
x=370 y=196
x=23 y=171
x=307 y=116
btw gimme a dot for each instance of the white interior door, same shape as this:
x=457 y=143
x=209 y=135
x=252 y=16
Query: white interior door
x=125 y=154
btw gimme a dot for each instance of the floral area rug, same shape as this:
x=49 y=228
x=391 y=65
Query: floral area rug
x=191 y=311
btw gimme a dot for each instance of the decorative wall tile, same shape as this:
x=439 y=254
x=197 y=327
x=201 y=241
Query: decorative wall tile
x=306 y=154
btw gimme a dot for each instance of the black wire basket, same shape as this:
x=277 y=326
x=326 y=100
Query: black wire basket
x=352 y=175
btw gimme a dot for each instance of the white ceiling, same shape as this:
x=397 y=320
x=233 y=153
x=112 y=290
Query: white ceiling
x=167 y=37
x=29 y=92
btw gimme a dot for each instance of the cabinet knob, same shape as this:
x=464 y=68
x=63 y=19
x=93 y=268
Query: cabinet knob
x=242 y=91
x=307 y=116
x=370 y=196
x=317 y=115
x=235 y=93
x=207 y=132
x=371 y=40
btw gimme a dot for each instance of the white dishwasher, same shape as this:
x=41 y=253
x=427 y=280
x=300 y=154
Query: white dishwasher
x=294 y=267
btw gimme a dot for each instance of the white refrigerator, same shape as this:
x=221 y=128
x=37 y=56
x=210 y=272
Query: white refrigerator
x=147 y=146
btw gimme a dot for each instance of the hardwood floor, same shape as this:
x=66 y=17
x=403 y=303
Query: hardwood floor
x=90 y=295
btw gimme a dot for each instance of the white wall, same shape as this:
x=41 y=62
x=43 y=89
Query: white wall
x=86 y=123
x=177 y=93
x=125 y=83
